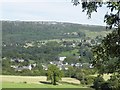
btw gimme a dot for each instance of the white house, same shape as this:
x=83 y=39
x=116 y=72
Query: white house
x=62 y=58
x=23 y=68
x=45 y=67
x=30 y=67
x=34 y=65
x=20 y=60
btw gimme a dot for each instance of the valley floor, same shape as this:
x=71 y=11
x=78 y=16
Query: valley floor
x=9 y=81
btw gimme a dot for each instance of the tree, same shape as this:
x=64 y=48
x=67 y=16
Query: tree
x=107 y=54
x=110 y=46
x=81 y=75
x=54 y=74
x=98 y=82
x=111 y=19
x=69 y=73
x=92 y=6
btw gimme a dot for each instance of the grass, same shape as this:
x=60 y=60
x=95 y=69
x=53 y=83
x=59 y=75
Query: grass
x=94 y=34
x=9 y=81
x=70 y=80
x=19 y=79
x=34 y=79
x=25 y=85
x=105 y=76
x=69 y=53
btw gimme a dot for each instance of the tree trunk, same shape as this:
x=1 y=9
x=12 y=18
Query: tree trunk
x=54 y=79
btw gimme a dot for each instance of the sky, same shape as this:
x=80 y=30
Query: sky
x=48 y=10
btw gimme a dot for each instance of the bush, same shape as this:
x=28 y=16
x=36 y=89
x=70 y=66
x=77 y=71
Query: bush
x=83 y=76
x=106 y=86
x=25 y=82
x=90 y=80
x=114 y=82
x=87 y=80
x=83 y=81
x=98 y=82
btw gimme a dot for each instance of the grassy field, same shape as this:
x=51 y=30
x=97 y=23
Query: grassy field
x=95 y=34
x=35 y=82
x=32 y=85
x=34 y=79
x=9 y=81
x=69 y=53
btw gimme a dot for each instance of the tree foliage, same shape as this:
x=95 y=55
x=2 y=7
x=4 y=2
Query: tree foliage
x=107 y=54
x=110 y=46
x=54 y=74
x=98 y=82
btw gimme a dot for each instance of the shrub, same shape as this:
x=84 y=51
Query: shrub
x=98 y=82
x=25 y=82
x=114 y=82
x=90 y=80
x=106 y=86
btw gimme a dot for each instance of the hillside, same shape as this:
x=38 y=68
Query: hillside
x=21 y=31
x=25 y=44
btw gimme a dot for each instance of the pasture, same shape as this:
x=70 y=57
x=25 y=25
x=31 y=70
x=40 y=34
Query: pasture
x=35 y=82
x=34 y=79
x=32 y=85
x=9 y=81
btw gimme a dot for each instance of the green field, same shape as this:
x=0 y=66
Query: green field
x=9 y=81
x=69 y=53
x=25 y=85
x=35 y=82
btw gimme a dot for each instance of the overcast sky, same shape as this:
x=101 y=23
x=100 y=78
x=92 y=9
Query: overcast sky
x=48 y=10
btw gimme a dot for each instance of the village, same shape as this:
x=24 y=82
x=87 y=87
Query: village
x=60 y=44
x=61 y=60
x=59 y=64
x=66 y=65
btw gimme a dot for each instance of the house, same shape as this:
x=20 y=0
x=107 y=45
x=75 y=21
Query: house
x=91 y=66
x=45 y=67
x=20 y=60
x=12 y=60
x=29 y=67
x=66 y=63
x=13 y=66
x=77 y=64
x=73 y=45
x=62 y=58
x=34 y=65
x=17 y=60
x=66 y=68
x=56 y=63
x=51 y=62
x=72 y=64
